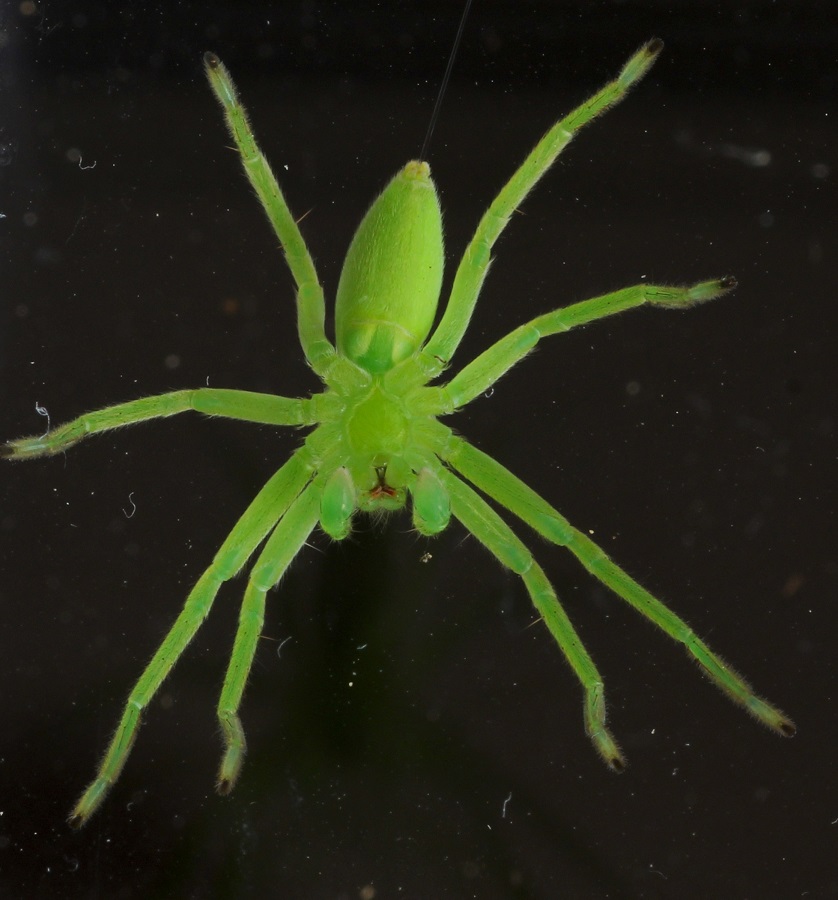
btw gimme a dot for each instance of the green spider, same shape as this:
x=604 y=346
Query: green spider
x=377 y=438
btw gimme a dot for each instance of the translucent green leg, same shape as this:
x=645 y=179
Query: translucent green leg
x=504 y=487
x=486 y=369
x=262 y=514
x=311 y=306
x=245 y=405
x=488 y=527
x=475 y=262
x=282 y=546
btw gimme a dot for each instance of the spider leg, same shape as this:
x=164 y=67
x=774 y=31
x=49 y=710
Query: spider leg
x=508 y=490
x=283 y=545
x=488 y=527
x=259 y=518
x=474 y=265
x=311 y=305
x=247 y=406
x=482 y=372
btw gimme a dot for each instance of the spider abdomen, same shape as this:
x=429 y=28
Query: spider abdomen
x=391 y=278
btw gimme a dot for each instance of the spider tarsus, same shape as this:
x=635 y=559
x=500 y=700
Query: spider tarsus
x=787 y=728
x=608 y=751
x=728 y=282
x=224 y=787
x=617 y=764
x=654 y=46
x=76 y=821
x=211 y=61
x=17 y=450
x=773 y=718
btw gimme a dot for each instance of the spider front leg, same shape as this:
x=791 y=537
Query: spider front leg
x=269 y=505
x=488 y=527
x=508 y=490
x=247 y=406
x=283 y=545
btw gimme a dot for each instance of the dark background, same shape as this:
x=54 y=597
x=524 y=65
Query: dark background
x=416 y=737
